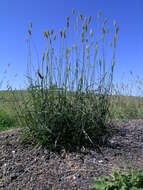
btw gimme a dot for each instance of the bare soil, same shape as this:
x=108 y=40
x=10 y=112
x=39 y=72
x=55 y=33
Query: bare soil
x=29 y=167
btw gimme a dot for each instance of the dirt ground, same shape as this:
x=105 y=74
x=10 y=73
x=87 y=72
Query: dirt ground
x=28 y=167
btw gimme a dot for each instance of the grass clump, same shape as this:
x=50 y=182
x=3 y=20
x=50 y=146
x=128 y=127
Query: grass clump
x=68 y=94
x=131 y=180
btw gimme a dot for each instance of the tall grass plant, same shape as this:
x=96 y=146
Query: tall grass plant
x=68 y=94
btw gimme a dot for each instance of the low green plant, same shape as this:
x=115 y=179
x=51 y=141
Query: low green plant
x=68 y=94
x=127 y=180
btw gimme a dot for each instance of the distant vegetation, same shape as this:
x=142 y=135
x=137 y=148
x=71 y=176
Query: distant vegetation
x=6 y=121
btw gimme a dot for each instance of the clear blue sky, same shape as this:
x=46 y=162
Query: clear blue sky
x=15 y=16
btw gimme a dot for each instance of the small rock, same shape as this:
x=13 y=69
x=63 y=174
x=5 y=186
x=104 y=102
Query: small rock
x=45 y=151
x=13 y=152
x=100 y=161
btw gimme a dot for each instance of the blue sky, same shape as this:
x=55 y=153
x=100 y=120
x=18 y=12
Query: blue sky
x=15 y=16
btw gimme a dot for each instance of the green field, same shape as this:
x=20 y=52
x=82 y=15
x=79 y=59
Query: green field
x=8 y=102
x=121 y=108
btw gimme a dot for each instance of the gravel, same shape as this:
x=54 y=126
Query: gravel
x=30 y=167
